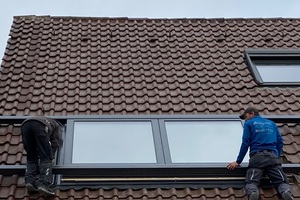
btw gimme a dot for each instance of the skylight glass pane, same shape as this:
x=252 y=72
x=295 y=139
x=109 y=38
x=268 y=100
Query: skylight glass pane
x=279 y=73
x=113 y=142
x=204 y=141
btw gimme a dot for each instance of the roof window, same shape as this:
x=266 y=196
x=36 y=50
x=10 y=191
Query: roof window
x=158 y=142
x=274 y=67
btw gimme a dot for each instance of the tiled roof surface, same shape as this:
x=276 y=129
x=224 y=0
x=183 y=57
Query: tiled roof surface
x=90 y=66
x=13 y=188
x=141 y=66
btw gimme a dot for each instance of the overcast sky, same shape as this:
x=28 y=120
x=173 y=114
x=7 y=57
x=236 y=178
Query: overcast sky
x=145 y=9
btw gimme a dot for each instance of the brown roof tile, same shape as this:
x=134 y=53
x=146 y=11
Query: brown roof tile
x=88 y=66
x=119 y=56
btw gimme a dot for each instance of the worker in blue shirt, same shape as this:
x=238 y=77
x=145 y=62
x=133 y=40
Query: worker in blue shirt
x=265 y=142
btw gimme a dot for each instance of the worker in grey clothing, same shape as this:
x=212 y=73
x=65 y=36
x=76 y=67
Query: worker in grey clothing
x=41 y=138
x=265 y=142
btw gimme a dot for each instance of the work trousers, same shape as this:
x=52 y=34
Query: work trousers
x=36 y=141
x=265 y=163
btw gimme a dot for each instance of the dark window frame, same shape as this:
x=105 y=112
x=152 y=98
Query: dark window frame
x=141 y=176
x=138 y=175
x=270 y=56
x=67 y=149
x=163 y=154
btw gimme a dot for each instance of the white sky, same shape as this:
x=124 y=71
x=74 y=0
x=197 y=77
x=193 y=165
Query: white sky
x=145 y=9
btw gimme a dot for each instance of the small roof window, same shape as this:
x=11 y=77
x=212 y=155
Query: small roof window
x=274 y=67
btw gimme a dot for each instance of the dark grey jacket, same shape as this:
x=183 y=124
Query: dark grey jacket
x=55 y=130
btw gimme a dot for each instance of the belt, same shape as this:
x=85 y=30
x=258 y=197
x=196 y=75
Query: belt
x=261 y=151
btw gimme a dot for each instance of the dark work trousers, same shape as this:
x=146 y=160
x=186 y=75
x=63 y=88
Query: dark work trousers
x=265 y=163
x=36 y=141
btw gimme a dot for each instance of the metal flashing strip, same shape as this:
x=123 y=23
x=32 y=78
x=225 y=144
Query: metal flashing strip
x=154 y=182
x=276 y=118
x=152 y=179
x=206 y=171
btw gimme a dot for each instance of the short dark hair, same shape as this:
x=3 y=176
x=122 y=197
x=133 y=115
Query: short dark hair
x=249 y=110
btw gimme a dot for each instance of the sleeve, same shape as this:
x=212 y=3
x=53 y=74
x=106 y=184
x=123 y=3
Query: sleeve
x=246 y=139
x=279 y=144
x=56 y=136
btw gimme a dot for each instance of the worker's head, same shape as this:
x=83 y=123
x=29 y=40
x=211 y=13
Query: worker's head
x=249 y=113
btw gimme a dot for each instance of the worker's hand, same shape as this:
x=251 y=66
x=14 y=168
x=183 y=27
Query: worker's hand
x=233 y=165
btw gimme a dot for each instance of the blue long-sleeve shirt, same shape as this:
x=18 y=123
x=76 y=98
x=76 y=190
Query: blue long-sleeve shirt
x=260 y=134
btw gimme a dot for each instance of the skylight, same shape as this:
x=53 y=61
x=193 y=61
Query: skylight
x=274 y=67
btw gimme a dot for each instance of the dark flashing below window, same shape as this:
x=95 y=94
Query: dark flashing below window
x=233 y=179
x=209 y=184
x=208 y=171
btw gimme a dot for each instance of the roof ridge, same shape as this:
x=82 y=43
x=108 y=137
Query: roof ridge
x=156 y=19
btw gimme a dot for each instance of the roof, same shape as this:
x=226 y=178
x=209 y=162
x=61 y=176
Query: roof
x=141 y=66
x=120 y=66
